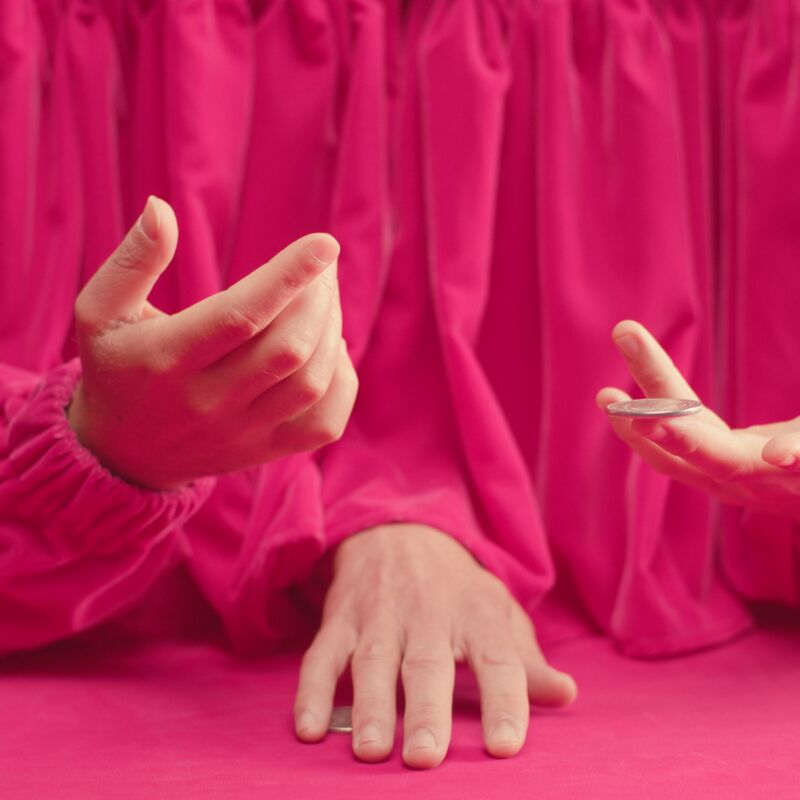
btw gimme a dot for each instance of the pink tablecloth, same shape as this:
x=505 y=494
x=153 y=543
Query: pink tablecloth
x=89 y=719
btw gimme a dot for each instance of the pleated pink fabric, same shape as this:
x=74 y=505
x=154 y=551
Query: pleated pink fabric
x=507 y=178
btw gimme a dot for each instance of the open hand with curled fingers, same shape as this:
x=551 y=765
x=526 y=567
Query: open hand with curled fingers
x=756 y=467
x=250 y=374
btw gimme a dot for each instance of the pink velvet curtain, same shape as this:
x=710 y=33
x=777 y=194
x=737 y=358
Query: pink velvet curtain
x=508 y=179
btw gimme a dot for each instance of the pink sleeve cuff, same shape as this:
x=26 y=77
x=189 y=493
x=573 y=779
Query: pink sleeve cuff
x=58 y=487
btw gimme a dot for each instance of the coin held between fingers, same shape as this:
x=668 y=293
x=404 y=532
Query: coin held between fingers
x=341 y=720
x=652 y=407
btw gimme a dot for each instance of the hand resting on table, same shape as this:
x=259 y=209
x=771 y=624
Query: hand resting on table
x=409 y=601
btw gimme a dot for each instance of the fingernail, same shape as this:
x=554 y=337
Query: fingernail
x=628 y=344
x=149 y=220
x=369 y=734
x=789 y=461
x=504 y=733
x=421 y=739
x=306 y=722
x=325 y=249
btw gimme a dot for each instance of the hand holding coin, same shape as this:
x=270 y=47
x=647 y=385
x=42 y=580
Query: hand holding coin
x=341 y=720
x=651 y=407
x=758 y=467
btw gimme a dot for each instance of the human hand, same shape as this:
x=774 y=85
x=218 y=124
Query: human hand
x=410 y=599
x=245 y=376
x=757 y=467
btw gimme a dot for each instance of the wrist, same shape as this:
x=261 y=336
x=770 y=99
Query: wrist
x=92 y=438
x=76 y=415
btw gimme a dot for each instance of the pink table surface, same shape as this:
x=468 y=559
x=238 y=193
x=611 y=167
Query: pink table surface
x=93 y=718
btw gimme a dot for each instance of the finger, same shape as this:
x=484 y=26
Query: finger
x=375 y=666
x=648 y=362
x=783 y=451
x=505 y=709
x=655 y=456
x=547 y=686
x=428 y=672
x=721 y=454
x=284 y=347
x=323 y=663
x=119 y=289
x=208 y=330
x=610 y=394
x=326 y=421
x=306 y=386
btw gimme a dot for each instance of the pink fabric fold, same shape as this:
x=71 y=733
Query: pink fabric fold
x=507 y=180
x=78 y=545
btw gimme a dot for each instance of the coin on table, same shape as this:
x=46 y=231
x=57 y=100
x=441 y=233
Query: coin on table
x=654 y=407
x=341 y=720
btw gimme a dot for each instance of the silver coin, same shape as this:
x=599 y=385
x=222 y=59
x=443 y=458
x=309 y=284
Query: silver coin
x=654 y=407
x=341 y=720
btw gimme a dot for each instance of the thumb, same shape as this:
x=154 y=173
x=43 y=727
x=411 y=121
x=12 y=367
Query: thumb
x=119 y=289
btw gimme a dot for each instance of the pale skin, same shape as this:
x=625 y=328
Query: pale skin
x=245 y=376
x=426 y=605
x=259 y=371
x=756 y=467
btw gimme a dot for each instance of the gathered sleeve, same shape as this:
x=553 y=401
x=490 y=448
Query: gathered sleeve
x=76 y=543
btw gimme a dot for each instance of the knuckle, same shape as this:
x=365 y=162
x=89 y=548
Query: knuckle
x=328 y=430
x=304 y=269
x=740 y=473
x=237 y=323
x=160 y=365
x=351 y=378
x=424 y=661
x=310 y=387
x=684 y=443
x=497 y=657
x=266 y=373
x=308 y=267
x=375 y=651
x=290 y=355
x=202 y=405
x=200 y=409
x=291 y=282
